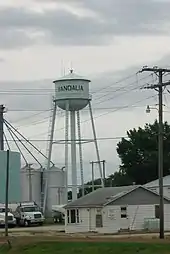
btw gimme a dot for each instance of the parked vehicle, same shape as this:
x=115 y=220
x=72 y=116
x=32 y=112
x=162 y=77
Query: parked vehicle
x=58 y=213
x=28 y=213
x=11 y=219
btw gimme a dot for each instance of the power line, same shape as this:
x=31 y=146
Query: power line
x=28 y=117
x=26 y=140
x=19 y=91
x=63 y=140
x=7 y=142
x=123 y=107
x=112 y=111
x=120 y=88
x=13 y=136
x=53 y=89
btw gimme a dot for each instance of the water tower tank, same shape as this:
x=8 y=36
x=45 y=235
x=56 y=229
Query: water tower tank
x=56 y=188
x=74 y=89
x=30 y=179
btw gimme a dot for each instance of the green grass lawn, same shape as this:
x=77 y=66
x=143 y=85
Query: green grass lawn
x=89 y=248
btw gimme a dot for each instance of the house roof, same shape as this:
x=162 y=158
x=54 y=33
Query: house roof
x=101 y=196
x=104 y=196
x=155 y=183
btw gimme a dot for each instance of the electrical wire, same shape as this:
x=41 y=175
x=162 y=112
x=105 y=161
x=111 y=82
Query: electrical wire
x=119 y=89
x=13 y=138
x=34 y=123
x=126 y=86
x=63 y=140
x=112 y=111
x=12 y=127
x=16 y=136
x=28 y=117
x=20 y=91
x=123 y=107
x=37 y=122
x=7 y=141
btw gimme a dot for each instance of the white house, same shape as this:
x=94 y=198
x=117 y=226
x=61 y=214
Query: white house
x=112 y=209
x=154 y=185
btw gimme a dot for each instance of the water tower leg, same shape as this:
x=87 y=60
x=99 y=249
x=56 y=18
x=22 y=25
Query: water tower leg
x=80 y=152
x=49 y=155
x=66 y=151
x=96 y=145
x=73 y=154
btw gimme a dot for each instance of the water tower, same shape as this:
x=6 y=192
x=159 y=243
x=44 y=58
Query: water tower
x=72 y=95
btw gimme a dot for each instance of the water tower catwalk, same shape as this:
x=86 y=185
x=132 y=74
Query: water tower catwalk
x=72 y=95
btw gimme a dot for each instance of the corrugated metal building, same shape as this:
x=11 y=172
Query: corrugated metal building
x=114 y=209
x=14 y=176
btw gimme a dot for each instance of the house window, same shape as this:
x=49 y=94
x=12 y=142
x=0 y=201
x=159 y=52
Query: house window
x=99 y=221
x=157 y=212
x=123 y=212
x=73 y=216
x=77 y=216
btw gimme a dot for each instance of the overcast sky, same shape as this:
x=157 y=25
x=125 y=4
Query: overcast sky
x=106 y=41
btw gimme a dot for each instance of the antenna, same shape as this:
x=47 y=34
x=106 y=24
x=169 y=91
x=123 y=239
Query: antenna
x=71 y=67
x=62 y=68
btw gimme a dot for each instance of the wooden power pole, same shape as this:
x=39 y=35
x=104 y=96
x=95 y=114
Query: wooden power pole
x=159 y=88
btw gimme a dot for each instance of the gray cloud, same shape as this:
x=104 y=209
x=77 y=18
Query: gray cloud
x=128 y=17
x=2 y=60
x=21 y=27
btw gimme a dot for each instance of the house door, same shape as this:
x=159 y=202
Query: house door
x=92 y=221
x=124 y=225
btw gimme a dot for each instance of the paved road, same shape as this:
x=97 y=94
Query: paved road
x=36 y=229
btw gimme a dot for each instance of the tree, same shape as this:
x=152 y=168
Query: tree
x=139 y=153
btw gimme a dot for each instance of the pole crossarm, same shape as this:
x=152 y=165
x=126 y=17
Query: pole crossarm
x=154 y=69
x=154 y=86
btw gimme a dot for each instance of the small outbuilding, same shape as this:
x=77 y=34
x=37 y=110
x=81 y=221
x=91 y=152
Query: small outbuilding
x=115 y=209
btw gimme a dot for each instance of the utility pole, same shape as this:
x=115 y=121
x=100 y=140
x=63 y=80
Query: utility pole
x=159 y=88
x=6 y=194
x=104 y=171
x=2 y=127
x=30 y=182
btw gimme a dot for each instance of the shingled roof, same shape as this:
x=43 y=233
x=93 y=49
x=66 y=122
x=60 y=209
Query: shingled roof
x=103 y=196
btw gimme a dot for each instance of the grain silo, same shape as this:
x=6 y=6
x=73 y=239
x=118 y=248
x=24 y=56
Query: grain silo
x=56 y=187
x=30 y=179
